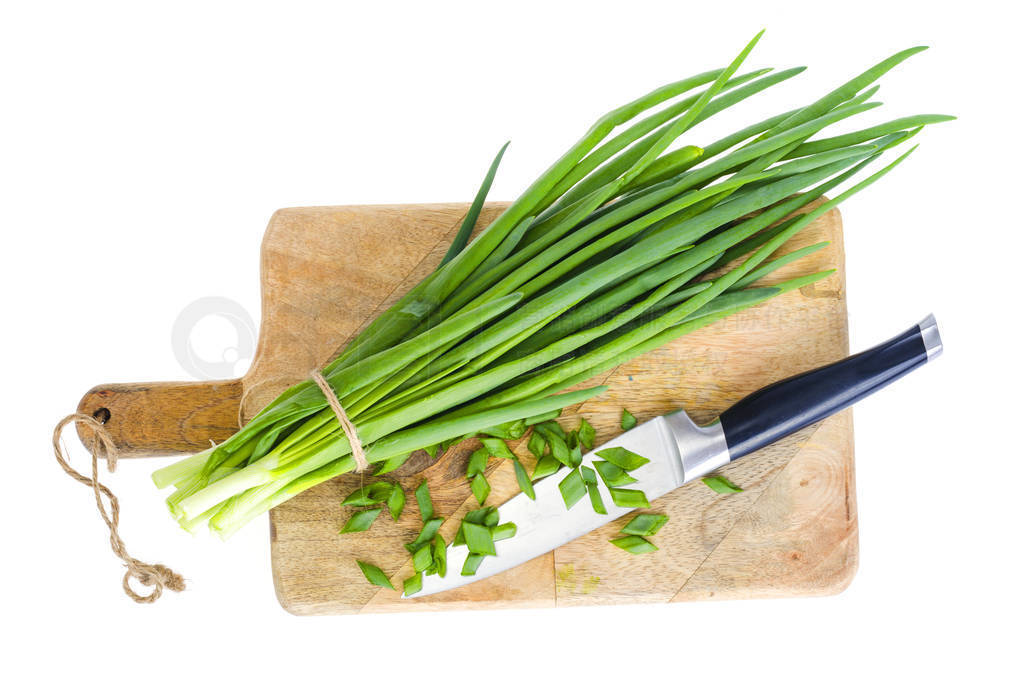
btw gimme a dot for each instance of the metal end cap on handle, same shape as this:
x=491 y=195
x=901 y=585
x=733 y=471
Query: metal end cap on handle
x=930 y=335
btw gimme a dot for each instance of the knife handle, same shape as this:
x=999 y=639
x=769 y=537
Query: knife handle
x=789 y=405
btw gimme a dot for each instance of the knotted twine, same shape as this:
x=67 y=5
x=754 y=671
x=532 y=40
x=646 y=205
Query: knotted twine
x=346 y=425
x=156 y=576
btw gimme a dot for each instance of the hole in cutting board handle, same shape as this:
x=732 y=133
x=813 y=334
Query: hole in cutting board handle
x=101 y=415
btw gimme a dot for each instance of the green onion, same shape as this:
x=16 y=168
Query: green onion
x=628 y=498
x=440 y=556
x=612 y=475
x=466 y=229
x=424 y=502
x=503 y=531
x=413 y=584
x=478 y=538
x=523 y=478
x=645 y=524
x=572 y=488
x=375 y=575
x=396 y=501
x=634 y=544
x=481 y=488
x=423 y=557
x=721 y=485
x=627 y=420
x=477 y=462
x=426 y=534
x=618 y=248
x=590 y=481
x=470 y=565
x=369 y=495
x=623 y=458
x=361 y=521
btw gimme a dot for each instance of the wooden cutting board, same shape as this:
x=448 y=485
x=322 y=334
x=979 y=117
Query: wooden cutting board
x=327 y=271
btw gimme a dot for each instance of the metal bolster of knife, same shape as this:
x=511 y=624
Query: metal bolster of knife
x=789 y=405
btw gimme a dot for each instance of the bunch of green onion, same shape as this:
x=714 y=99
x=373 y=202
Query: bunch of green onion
x=621 y=246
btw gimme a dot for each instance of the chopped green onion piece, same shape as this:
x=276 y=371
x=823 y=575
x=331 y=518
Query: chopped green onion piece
x=440 y=555
x=413 y=584
x=481 y=488
x=523 y=478
x=396 y=501
x=572 y=488
x=623 y=458
x=627 y=421
x=629 y=498
x=587 y=434
x=369 y=495
x=590 y=480
x=478 y=538
x=589 y=477
x=497 y=448
x=424 y=502
x=612 y=475
x=503 y=531
x=460 y=537
x=572 y=439
x=487 y=515
x=576 y=455
x=392 y=463
x=430 y=528
x=721 y=485
x=423 y=557
x=361 y=521
x=546 y=466
x=645 y=524
x=559 y=449
x=536 y=445
x=552 y=428
x=472 y=562
x=477 y=462
x=634 y=544
x=375 y=575
x=432 y=450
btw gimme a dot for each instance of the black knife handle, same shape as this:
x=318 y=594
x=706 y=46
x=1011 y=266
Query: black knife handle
x=787 y=406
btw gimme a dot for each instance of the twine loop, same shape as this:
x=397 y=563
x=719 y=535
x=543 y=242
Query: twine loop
x=358 y=454
x=154 y=576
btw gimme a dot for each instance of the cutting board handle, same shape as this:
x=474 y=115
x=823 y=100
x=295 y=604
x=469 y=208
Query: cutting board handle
x=163 y=418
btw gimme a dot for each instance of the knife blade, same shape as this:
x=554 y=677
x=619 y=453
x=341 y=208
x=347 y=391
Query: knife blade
x=680 y=451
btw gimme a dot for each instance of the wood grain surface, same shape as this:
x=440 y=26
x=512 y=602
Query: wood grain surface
x=327 y=271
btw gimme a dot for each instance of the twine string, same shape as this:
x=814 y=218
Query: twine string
x=154 y=576
x=358 y=454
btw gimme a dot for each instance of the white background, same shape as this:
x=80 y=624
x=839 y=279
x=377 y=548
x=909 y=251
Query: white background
x=144 y=147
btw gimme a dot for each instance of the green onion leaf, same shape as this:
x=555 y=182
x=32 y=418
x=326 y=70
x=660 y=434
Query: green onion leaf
x=546 y=466
x=503 y=531
x=466 y=228
x=481 y=488
x=552 y=428
x=427 y=533
x=432 y=450
x=612 y=475
x=572 y=488
x=536 y=445
x=440 y=556
x=576 y=455
x=590 y=480
x=623 y=458
x=523 y=478
x=627 y=421
x=478 y=538
x=497 y=448
x=423 y=557
x=471 y=563
x=396 y=501
x=634 y=544
x=629 y=498
x=424 y=502
x=368 y=495
x=645 y=524
x=487 y=515
x=413 y=584
x=375 y=575
x=361 y=521
x=392 y=463
x=477 y=462
x=587 y=434
x=721 y=485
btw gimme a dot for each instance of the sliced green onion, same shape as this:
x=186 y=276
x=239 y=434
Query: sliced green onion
x=612 y=475
x=629 y=498
x=424 y=502
x=361 y=521
x=546 y=466
x=645 y=524
x=375 y=575
x=536 y=445
x=627 y=420
x=587 y=434
x=623 y=458
x=478 y=538
x=590 y=480
x=721 y=485
x=497 y=448
x=426 y=534
x=423 y=557
x=396 y=501
x=477 y=462
x=572 y=488
x=503 y=531
x=470 y=565
x=440 y=556
x=634 y=544
x=369 y=495
x=481 y=488
x=413 y=584
x=523 y=478
x=391 y=464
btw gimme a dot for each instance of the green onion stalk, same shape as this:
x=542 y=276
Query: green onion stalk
x=622 y=245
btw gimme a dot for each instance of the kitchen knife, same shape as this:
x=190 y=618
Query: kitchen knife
x=680 y=451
